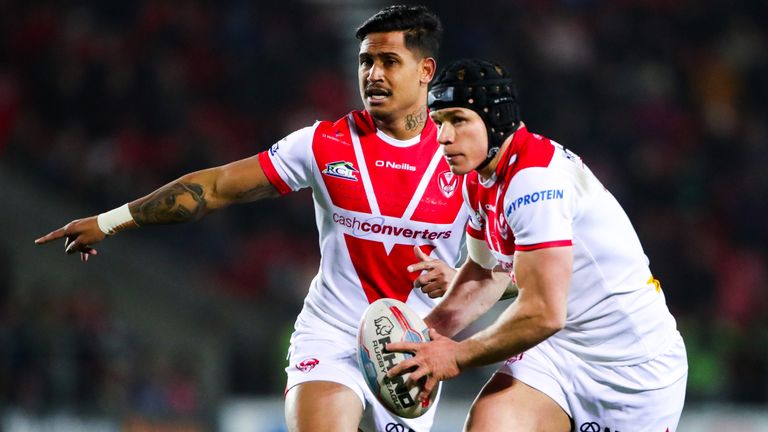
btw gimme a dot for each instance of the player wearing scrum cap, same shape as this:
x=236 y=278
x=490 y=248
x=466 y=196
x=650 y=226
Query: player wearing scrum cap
x=589 y=342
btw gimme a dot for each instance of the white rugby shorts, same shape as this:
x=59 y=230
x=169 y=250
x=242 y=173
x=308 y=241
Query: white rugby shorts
x=644 y=397
x=319 y=352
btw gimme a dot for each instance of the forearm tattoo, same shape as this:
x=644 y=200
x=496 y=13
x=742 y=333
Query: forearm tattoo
x=416 y=120
x=164 y=207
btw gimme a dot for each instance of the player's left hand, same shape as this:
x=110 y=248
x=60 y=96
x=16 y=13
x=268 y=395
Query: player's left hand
x=433 y=361
x=435 y=275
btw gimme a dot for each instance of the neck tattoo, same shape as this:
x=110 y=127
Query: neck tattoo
x=416 y=119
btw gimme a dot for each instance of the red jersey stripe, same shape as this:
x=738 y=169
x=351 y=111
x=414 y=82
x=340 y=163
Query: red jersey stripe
x=271 y=173
x=549 y=244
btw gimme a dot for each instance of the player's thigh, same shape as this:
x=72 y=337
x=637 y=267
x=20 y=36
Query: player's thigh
x=506 y=404
x=320 y=406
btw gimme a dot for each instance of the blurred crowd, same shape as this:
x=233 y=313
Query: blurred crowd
x=665 y=101
x=66 y=350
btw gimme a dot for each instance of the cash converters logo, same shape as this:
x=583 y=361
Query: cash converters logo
x=377 y=225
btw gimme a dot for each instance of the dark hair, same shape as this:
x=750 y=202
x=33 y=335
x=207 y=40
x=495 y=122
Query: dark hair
x=422 y=28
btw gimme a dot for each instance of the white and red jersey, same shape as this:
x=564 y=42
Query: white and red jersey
x=542 y=195
x=375 y=199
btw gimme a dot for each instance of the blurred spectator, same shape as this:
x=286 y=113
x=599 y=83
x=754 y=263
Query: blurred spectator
x=67 y=350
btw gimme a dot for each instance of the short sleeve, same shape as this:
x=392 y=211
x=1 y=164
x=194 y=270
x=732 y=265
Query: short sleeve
x=288 y=163
x=539 y=208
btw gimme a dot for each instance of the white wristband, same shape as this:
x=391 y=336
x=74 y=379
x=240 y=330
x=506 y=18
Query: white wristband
x=480 y=253
x=114 y=220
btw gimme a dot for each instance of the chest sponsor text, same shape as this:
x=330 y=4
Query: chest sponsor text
x=534 y=197
x=379 y=226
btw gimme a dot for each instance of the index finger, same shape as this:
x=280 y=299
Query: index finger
x=51 y=236
x=420 y=254
x=424 y=265
x=402 y=346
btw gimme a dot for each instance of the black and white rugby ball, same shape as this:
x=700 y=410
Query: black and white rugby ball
x=389 y=320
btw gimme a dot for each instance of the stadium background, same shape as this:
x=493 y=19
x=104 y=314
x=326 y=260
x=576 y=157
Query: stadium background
x=185 y=328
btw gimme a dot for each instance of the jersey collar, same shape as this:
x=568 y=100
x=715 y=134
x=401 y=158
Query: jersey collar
x=366 y=125
x=507 y=159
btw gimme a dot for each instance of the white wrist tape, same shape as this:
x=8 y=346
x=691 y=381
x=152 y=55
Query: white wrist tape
x=114 y=220
x=480 y=253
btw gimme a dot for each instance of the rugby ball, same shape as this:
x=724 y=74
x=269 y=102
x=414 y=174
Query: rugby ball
x=388 y=320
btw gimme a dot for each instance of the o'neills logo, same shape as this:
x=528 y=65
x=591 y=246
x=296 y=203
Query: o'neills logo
x=448 y=183
x=395 y=165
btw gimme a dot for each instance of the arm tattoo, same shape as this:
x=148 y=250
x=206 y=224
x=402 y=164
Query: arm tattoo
x=257 y=193
x=416 y=120
x=163 y=206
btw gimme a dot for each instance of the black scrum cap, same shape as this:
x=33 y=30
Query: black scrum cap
x=483 y=87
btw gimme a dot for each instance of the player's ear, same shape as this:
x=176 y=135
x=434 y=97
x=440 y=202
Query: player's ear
x=428 y=67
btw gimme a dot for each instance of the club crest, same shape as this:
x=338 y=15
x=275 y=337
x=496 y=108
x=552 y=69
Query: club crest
x=448 y=183
x=502 y=227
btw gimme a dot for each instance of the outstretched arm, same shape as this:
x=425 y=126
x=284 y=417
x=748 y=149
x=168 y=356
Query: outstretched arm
x=197 y=194
x=186 y=199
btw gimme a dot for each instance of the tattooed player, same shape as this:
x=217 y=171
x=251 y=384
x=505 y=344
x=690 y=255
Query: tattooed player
x=383 y=193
